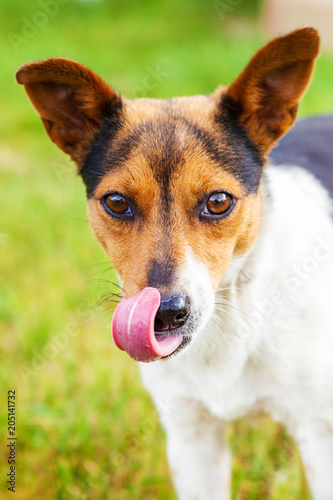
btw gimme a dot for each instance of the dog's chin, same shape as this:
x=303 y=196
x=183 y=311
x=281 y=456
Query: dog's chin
x=184 y=343
x=189 y=332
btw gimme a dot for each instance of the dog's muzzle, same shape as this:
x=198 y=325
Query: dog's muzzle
x=145 y=326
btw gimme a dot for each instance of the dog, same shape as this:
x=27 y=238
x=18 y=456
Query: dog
x=224 y=259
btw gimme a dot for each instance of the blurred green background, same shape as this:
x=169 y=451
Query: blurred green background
x=86 y=428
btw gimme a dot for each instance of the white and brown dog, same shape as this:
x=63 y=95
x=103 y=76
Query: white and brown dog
x=225 y=264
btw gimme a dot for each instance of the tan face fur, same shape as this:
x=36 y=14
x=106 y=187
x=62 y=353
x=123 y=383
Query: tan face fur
x=167 y=157
x=159 y=229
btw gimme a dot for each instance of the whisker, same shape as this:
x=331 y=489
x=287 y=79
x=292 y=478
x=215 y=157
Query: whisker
x=103 y=280
x=222 y=340
x=230 y=289
x=226 y=312
x=110 y=315
x=98 y=264
x=226 y=303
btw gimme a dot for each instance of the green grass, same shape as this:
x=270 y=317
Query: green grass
x=86 y=428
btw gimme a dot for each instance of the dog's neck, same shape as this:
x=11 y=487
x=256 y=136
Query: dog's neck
x=258 y=288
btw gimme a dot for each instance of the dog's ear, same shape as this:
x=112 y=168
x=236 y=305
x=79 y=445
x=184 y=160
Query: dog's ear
x=265 y=97
x=71 y=100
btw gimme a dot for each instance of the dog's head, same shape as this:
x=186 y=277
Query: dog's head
x=173 y=186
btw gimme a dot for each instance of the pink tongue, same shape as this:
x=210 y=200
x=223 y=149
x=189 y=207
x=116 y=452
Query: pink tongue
x=133 y=327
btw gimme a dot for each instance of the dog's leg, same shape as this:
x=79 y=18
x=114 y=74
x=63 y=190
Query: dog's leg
x=316 y=447
x=198 y=454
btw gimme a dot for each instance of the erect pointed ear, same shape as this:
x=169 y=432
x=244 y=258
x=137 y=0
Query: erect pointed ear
x=71 y=100
x=265 y=97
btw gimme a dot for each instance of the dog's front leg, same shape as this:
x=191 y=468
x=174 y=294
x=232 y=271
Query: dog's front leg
x=198 y=454
x=316 y=446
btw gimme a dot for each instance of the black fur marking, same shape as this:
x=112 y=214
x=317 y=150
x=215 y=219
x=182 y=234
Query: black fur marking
x=95 y=165
x=161 y=272
x=309 y=144
x=236 y=153
x=247 y=162
x=164 y=158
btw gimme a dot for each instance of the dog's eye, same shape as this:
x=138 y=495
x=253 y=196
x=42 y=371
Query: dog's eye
x=218 y=204
x=116 y=204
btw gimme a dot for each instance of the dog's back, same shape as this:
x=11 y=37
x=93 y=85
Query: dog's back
x=309 y=144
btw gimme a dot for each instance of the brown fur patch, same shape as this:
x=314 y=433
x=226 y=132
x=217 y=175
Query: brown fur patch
x=167 y=156
x=176 y=225
x=267 y=93
x=71 y=100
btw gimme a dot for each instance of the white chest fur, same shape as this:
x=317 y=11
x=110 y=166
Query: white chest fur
x=269 y=344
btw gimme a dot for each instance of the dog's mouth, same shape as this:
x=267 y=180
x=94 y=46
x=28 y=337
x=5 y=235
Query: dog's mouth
x=133 y=328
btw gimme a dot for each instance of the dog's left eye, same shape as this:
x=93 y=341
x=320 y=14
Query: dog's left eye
x=116 y=204
x=218 y=204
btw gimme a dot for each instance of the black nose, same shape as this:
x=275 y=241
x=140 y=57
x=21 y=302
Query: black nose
x=173 y=312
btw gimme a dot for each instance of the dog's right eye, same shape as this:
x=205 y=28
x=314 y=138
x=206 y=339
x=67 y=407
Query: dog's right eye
x=116 y=205
x=217 y=206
